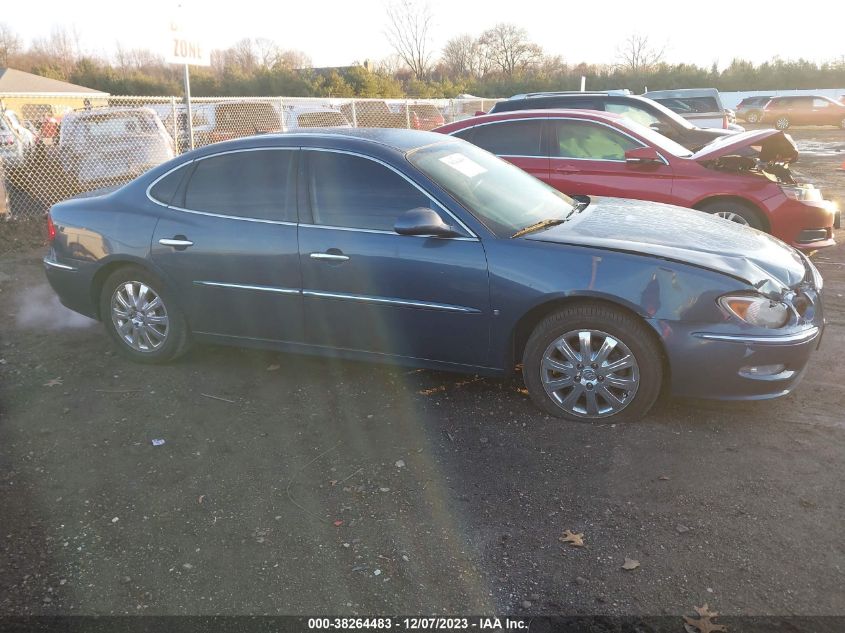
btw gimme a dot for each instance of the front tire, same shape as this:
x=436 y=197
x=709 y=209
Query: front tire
x=141 y=316
x=782 y=123
x=593 y=362
x=733 y=211
x=842 y=124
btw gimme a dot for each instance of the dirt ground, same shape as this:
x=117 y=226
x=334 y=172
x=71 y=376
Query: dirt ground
x=289 y=485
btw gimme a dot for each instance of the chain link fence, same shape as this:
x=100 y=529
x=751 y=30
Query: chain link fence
x=54 y=151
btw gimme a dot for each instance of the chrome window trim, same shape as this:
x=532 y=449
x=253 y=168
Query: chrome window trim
x=382 y=232
x=274 y=289
x=51 y=264
x=789 y=339
x=410 y=303
x=472 y=235
x=210 y=213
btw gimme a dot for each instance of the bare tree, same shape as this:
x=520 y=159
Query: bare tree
x=459 y=55
x=637 y=55
x=10 y=44
x=509 y=48
x=61 y=47
x=268 y=54
x=408 y=31
x=295 y=59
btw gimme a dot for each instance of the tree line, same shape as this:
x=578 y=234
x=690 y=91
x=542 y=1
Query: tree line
x=496 y=62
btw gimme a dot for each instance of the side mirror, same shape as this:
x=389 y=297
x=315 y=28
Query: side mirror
x=425 y=222
x=642 y=156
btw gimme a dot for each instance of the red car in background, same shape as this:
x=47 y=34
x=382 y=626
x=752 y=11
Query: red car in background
x=743 y=177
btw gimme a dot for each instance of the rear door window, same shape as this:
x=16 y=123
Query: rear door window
x=251 y=184
x=511 y=138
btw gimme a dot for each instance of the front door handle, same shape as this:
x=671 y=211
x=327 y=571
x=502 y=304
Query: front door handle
x=565 y=170
x=179 y=242
x=329 y=257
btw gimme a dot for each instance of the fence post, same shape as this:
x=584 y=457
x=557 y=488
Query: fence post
x=282 y=117
x=407 y=114
x=354 y=115
x=175 y=125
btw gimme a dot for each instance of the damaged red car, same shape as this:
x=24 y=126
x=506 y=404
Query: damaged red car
x=745 y=178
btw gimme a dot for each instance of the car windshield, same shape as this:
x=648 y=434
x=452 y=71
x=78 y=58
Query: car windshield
x=677 y=118
x=501 y=196
x=655 y=138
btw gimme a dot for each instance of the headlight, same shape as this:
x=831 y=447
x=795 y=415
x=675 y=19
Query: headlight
x=804 y=193
x=756 y=311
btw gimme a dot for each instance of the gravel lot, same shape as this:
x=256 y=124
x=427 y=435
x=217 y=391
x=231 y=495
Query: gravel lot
x=291 y=485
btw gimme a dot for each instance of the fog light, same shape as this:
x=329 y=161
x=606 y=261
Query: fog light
x=762 y=370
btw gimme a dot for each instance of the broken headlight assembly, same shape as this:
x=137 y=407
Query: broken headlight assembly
x=756 y=310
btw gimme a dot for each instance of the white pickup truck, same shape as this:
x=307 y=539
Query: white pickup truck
x=701 y=106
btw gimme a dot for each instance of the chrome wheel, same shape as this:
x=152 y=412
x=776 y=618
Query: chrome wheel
x=752 y=117
x=782 y=123
x=139 y=316
x=732 y=217
x=589 y=373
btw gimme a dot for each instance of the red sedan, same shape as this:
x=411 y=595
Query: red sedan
x=742 y=177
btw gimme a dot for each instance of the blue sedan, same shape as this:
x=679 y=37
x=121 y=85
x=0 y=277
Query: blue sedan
x=415 y=248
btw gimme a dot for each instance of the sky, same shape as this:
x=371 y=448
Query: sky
x=339 y=32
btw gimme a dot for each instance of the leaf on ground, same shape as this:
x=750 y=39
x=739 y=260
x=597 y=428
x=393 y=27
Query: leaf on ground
x=53 y=382
x=273 y=367
x=576 y=540
x=630 y=564
x=704 y=623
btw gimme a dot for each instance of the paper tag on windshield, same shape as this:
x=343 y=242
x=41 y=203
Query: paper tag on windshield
x=466 y=166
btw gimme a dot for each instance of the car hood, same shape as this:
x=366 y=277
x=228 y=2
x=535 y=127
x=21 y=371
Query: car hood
x=682 y=235
x=767 y=145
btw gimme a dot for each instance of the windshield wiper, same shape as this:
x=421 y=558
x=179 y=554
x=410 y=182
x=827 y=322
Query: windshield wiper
x=542 y=224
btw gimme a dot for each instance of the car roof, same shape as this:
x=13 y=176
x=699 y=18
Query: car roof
x=399 y=139
x=680 y=93
x=566 y=93
x=547 y=113
x=111 y=110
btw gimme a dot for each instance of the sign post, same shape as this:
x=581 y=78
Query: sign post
x=186 y=48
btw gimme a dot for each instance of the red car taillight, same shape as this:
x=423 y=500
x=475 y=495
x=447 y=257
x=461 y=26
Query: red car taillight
x=51 y=228
x=724 y=121
x=7 y=139
x=415 y=121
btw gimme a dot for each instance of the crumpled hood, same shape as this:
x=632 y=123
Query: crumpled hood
x=767 y=145
x=683 y=235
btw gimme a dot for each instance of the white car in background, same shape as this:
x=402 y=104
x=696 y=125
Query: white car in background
x=700 y=106
x=16 y=141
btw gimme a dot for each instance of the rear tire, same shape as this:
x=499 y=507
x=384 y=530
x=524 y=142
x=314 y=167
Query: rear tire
x=753 y=116
x=620 y=380
x=782 y=123
x=141 y=316
x=734 y=211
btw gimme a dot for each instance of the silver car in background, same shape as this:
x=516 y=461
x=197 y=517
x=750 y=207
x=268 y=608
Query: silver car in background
x=110 y=145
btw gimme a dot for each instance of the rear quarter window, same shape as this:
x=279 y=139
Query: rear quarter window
x=165 y=189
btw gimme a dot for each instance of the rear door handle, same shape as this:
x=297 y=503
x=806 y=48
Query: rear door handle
x=179 y=242
x=565 y=170
x=329 y=257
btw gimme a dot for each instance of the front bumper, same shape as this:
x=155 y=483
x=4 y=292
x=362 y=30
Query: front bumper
x=805 y=225
x=722 y=365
